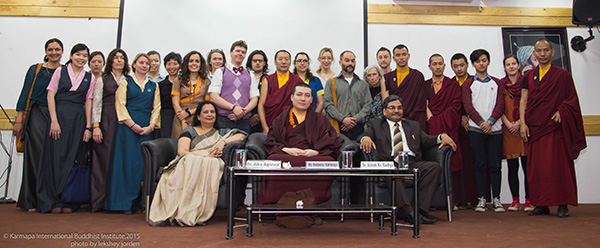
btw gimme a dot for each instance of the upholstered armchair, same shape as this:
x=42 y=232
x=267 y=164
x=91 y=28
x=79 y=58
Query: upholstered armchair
x=159 y=152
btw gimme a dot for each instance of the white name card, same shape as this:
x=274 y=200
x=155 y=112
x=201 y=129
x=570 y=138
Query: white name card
x=322 y=164
x=264 y=164
x=377 y=165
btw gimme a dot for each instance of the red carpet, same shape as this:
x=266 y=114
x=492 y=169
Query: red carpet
x=469 y=229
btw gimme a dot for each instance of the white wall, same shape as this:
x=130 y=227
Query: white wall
x=294 y=25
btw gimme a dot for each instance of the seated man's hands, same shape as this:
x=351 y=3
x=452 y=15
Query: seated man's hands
x=367 y=144
x=446 y=140
x=300 y=152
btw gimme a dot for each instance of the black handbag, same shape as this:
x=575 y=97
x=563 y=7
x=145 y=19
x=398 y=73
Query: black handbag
x=77 y=186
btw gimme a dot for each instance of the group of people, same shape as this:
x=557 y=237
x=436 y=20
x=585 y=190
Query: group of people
x=210 y=103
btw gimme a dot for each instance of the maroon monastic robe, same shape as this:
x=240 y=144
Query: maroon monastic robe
x=463 y=181
x=445 y=105
x=553 y=146
x=412 y=91
x=278 y=99
x=314 y=133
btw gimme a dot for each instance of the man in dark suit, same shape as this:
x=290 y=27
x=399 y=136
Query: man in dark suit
x=393 y=134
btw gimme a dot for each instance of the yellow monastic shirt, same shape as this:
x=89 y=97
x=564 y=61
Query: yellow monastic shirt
x=400 y=75
x=284 y=79
x=460 y=82
x=543 y=71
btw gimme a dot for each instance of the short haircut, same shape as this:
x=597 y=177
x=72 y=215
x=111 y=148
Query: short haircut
x=366 y=71
x=546 y=40
x=264 y=55
x=346 y=51
x=391 y=98
x=173 y=56
x=435 y=55
x=399 y=47
x=93 y=54
x=153 y=52
x=383 y=49
x=196 y=122
x=301 y=85
x=458 y=56
x=239 y=43
x=282 y=51
x=477 y=53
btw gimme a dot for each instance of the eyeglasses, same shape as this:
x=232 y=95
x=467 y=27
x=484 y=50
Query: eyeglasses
x=302 y=61
x=392 y=108
x=258 y=60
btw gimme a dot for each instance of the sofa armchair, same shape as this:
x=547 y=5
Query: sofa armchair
x=159 y=152
x=377 y=188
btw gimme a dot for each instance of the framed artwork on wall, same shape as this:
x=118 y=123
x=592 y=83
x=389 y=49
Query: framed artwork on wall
x=520 y=41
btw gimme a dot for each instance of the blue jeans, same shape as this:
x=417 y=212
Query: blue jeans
x=487 y=152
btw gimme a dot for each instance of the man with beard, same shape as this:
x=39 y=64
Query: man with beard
x=394 y=134
x=347 y=98
x=552 y=124
x=384 y=59
x=408 y=84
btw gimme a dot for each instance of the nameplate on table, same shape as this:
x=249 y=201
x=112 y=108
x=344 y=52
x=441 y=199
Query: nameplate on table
x=322 y=165
x=377 y=165
x=263 y=164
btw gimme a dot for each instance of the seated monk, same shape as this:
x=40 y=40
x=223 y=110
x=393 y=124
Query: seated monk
x=297 y=135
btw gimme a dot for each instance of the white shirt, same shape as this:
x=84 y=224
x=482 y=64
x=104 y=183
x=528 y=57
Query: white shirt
x=217 y=82
x=404 y=143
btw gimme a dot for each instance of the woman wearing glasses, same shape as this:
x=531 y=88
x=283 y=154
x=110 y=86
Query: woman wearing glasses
x=302 y=70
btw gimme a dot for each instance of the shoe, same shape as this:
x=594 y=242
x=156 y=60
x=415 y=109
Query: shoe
x=67 y=210
x=242 y=212
x=318 y=221
x=527 y=206
x=56 y=211
x=563 y=211
x=422 y=219
x=455 y=208
x=481 y=205
x=497 y=205
x=539 y=211
x=515 y=206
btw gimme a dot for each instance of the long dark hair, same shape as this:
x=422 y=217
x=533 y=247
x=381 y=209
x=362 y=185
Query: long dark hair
x=196 y=122
x=309 y=74
x=264 y=55
x=50 y=41
x=109 y=62
x=184 y=74
x=76 y=48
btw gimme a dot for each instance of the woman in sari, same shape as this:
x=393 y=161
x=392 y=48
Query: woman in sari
x=197 y=169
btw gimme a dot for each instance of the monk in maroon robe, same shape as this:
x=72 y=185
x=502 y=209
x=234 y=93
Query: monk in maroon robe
x=297 y=135
x=445 y=106
x=411 y=88
x=552 y=124
x=463 y=180
x=275 y=93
